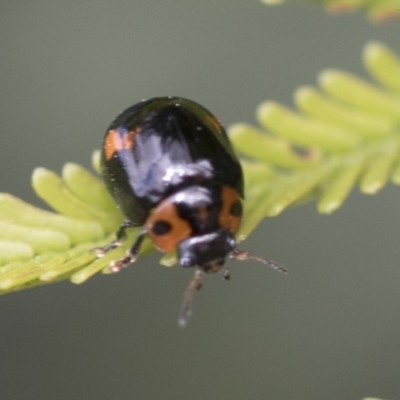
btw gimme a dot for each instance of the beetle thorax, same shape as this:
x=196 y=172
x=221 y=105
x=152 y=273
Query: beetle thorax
x=200 y=221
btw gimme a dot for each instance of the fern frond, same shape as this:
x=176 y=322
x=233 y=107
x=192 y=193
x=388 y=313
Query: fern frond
x=377 y=10
x=345 y=132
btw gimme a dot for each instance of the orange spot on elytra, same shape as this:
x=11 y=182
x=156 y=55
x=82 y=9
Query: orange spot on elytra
x=180 y=228
x=116 y=140
x=226 y=218
x=111 y=144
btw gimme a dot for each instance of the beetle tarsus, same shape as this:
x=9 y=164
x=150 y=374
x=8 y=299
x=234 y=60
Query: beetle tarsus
x=117 y=265
x=120 y=237
x=226 y=274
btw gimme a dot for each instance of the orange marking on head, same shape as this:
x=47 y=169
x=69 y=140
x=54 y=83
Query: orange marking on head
x=116 y=140
x=230 y=216
x=180 y=229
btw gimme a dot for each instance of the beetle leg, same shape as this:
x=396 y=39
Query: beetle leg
x=117 y=265
x=186 y=310
x=120 y=237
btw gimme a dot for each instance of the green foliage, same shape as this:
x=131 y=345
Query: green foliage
x=377 y=10
x=343 y=134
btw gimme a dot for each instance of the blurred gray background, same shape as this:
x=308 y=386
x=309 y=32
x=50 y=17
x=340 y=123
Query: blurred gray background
x=330 y=330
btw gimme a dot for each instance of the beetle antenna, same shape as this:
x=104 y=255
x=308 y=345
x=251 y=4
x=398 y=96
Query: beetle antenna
x=242 y=255
x=186 y=310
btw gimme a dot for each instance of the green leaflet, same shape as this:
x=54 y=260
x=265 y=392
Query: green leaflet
x=348 y=127
x=377 y=11
x=344 y=133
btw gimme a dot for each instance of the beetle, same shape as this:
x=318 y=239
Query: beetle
x=172 y=170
